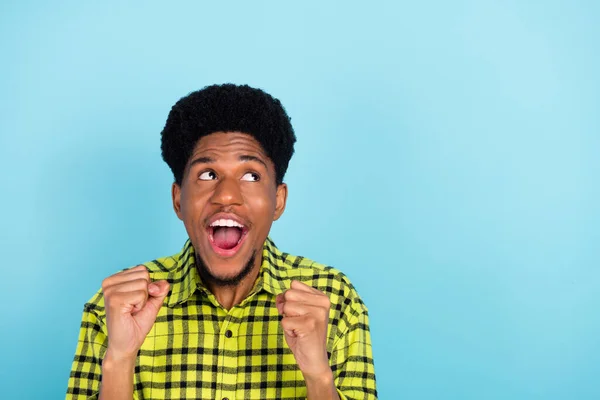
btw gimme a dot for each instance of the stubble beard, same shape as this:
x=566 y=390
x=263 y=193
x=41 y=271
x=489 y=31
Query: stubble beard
x=209 y=278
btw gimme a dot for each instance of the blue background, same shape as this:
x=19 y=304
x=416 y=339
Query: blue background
x=447 y=161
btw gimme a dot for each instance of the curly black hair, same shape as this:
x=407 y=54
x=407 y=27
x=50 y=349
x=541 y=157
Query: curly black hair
x=227 y=108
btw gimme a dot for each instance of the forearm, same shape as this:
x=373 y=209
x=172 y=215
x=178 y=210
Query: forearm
x=117 y=378
x=321 y=387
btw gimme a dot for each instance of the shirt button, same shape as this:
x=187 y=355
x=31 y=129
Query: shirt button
x=228 y=334
x=225 y=398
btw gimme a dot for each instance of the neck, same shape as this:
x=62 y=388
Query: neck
x=230 y=296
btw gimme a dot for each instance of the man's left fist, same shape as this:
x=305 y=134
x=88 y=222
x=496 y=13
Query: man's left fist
x=305 y=313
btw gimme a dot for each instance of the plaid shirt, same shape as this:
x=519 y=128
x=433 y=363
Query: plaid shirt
x=199 y=350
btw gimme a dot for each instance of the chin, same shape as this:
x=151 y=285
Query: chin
x=229 y=272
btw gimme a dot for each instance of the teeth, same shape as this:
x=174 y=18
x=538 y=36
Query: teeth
x=226 y=222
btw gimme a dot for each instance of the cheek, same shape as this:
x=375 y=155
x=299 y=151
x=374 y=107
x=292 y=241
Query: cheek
x=192 y=204
x=262 y=207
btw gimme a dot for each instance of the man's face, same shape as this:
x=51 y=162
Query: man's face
x=227 y=201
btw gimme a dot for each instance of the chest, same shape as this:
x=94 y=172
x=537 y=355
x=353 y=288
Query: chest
x=202 y=352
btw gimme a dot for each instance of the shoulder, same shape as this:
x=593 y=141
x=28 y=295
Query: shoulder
x=160 y=268
x=346 y=310
x=329 y=280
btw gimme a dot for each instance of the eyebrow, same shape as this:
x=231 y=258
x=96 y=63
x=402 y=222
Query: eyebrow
x=247 y=158
x=201 y=160
x=210 y=160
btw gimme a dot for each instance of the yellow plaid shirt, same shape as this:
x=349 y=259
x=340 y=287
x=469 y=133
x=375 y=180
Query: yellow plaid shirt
x=199 y=350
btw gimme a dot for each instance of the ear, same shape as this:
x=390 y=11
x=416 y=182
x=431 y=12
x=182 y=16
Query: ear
x=280 y=200
x=176 y=195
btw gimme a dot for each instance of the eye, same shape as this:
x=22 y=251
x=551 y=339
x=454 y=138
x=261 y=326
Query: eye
x=251 y=177
x=207 y=176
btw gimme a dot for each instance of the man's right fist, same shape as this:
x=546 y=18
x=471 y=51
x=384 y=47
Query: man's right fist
x=132 y=302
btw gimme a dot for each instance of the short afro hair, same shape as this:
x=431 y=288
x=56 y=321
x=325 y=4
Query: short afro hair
x=227 y=108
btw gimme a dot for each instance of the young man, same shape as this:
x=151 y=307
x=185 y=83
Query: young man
x=230 y=316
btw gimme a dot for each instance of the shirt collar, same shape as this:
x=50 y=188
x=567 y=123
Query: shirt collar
x=273 y=274
x=185 y=278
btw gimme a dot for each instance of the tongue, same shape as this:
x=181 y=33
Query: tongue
x=227 y=237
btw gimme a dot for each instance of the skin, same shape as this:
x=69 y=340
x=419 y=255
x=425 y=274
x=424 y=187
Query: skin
x=305 y=313
x=230 y=173
x=226 y=173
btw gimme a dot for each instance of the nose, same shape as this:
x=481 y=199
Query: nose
x=227 y=192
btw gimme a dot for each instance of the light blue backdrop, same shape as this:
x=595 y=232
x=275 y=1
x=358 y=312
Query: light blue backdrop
x=447 y=161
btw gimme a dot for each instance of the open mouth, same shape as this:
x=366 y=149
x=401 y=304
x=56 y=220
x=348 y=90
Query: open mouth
x=226 y=236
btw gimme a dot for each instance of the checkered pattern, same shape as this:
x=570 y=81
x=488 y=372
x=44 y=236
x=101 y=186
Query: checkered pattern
x=198 y=350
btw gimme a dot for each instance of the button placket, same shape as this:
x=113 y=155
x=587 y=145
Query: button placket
x=230 y=361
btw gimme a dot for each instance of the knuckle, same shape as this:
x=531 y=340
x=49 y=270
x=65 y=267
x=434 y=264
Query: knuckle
x=140 y=283
x=106 y=289
x=111 y=299
x=139 y=294
x=288 y=295
x=285 y=323
x=106 y=283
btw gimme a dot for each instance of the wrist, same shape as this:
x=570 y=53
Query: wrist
x=117 y=376
x=115 y=360
x=320 y=386
x=319 y=379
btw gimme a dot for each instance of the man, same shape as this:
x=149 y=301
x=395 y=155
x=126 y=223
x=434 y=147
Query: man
x=230 y=316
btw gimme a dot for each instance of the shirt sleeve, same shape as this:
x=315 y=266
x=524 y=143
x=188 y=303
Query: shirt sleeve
x=86 y=371
x=352 y=360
